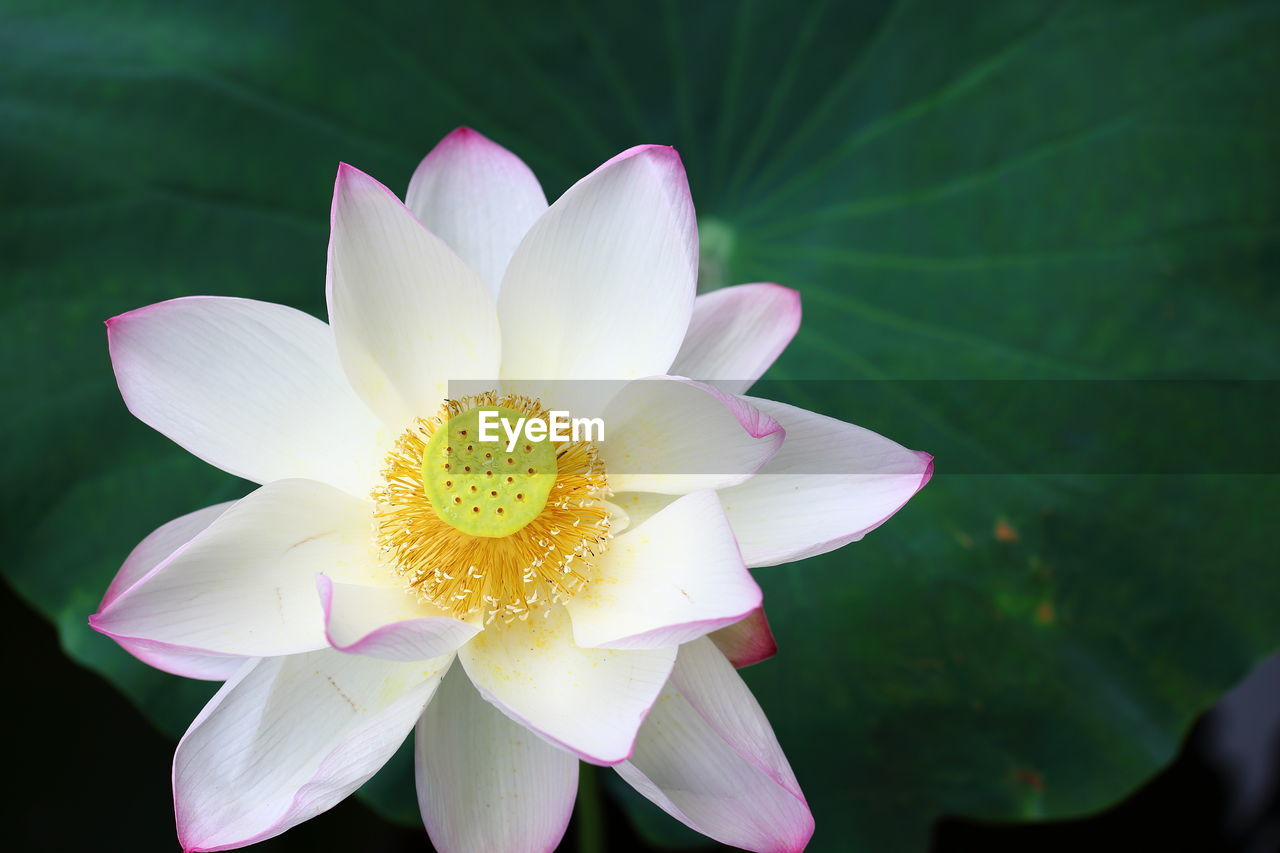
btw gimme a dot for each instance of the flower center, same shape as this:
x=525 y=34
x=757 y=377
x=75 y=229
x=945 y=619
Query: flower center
x=482 y=487
x=483 y=531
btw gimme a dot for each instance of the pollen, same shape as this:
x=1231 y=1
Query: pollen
x=484 y=533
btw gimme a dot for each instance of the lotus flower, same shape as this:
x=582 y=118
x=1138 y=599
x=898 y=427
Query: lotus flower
x=566 y=601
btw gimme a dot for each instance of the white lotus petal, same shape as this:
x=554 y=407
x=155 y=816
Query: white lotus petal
x=479 y=198
x=251 y=387
x=387 y=622
x=602 y=286
x=149 y=553
x=641 y=506
x=736 y=333
x=407 y=313
x=829 y=485
x=158 y=545
x=487 y=784
x=246 y=584
x=672 y=579
x=708 y=757
x=590 y=701
x=290 y=737
x=670 y=435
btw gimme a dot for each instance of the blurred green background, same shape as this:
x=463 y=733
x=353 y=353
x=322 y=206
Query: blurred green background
x=1032 y=190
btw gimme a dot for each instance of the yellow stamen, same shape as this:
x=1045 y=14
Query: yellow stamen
x=469 y=559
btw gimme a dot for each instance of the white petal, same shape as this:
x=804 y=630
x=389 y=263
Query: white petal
x=830 y=484
x=479 y=198
x=251 y=387
x=673 y=436
x=246 y=585
x=158 y=545
x=708 y=757
x=641 y=506
x=485 y=783
x=387 y=622
x=408 y=314
x=736 y=333
x=290 y=737
x=148 y=554
x=674 y=578
x=602 y=286
x=746 y=641
x=590 y=701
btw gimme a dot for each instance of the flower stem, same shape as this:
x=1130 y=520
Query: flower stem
x=590 y=815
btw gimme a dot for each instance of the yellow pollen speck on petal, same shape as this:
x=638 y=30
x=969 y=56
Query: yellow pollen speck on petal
x=484 y=545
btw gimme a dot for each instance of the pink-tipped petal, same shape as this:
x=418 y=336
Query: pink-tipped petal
x=246 y=584
x=290 y=737
x=479 y=198
x=202 y=666
x=251 y=387
x=385 y=622
x=149 y=553
x=670 y=580
x=487 y=784
x=590 y=701
x=829 y=485
x=608 y=273
x=158 y=545
x=736 y=333
x=408 y=314
x=708 y=757
x=671 y=435
x=746 y=641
